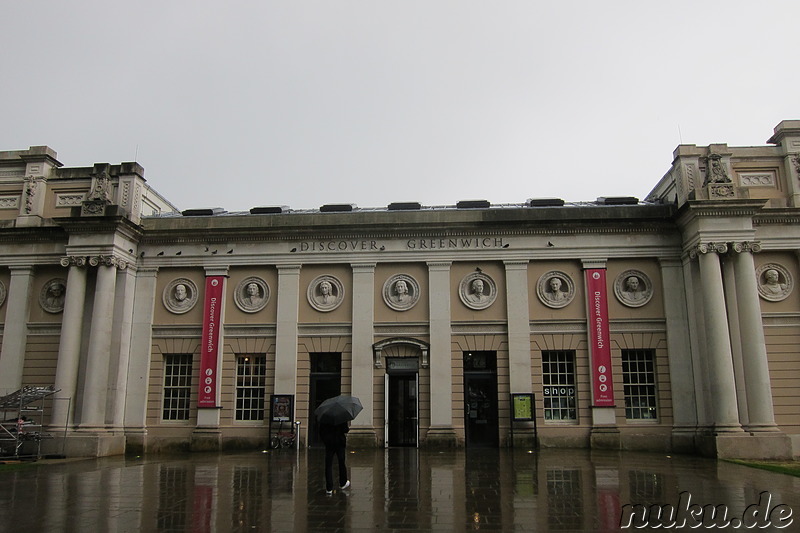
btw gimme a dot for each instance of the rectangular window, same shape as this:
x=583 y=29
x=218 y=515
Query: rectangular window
x=251 y=383
x=639 y=379
x=177 y=386
x=558 y=383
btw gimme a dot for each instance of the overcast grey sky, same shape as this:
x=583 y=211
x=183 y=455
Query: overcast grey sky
x=301 y=103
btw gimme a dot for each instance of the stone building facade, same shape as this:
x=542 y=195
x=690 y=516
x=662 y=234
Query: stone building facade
x=669 y=324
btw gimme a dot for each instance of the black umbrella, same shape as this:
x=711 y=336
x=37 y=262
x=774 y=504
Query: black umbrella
x=338 y=410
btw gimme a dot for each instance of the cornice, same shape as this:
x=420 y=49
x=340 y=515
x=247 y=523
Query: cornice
x=210 y=236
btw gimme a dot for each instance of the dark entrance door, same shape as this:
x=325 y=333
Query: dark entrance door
x=480 y=399
x=402 y=409
x=325 y=382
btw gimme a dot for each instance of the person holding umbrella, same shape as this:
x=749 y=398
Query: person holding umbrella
x=334 y=416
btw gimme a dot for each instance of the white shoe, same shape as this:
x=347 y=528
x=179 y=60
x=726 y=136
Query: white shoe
x=346 y=485
x=328 y=492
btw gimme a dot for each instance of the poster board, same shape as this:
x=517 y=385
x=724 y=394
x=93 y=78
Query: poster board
x=281 y=407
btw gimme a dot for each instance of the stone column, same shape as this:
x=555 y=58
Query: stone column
x=15 y=332
x=723 y=386
x=732 y=309
x=286 y=333
x=121 y=344
x=441 y=431
x=754 y=347
x=363 y=338
x=682 y=378
x=69 y=348
x=144 y=301
x=98 y=353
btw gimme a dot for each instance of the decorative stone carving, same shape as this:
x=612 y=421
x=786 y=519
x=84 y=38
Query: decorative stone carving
x=325 y=293
x=9 y=202
x=775 y=282
x=100 y=197
x=51 y=298
x=252 y=295
x=757 y=179
x=30 y=192
x=715 y=172
x=477 y=290
x=180 y=296
x=555 y=289
x=3 y=293
x=401 y=292
x=633 y=288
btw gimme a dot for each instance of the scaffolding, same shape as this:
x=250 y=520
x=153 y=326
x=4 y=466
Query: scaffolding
x=21 y=429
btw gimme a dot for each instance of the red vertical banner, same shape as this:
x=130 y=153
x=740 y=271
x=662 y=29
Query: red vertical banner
x=602 y=386
x=212 y=314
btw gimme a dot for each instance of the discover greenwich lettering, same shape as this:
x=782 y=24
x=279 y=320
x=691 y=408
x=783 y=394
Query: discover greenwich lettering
x=411 y=244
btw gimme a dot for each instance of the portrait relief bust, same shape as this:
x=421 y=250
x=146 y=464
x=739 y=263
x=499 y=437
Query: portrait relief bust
x=52 y=296
x=251 y=295
x=555 y=289
x=180 y=295
x=325 y=293
x=774 y=282
x=401 y=292
x=477 y=290
x=633 y=288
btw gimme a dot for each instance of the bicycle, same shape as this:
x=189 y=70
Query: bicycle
x=283 y=439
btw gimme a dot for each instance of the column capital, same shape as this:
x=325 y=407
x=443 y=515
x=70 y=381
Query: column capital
x=110 y=260
x=707 y=248
x=73 y=260
x=439 y=265
x=363 y=268
x=593 y=263
x=288 y=269
x=518 y=264
x=746 y=246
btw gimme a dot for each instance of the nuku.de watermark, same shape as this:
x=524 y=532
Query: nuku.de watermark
x=692 y=515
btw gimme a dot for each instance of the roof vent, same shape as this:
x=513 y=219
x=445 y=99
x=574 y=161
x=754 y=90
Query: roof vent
x=269 y=210
x=545 y=202
x=473 y=204
x=617 y=200
x=206 y=212
x=404 y=206
x=335 y=208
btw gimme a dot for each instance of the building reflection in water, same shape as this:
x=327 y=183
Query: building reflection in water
x=403 y=488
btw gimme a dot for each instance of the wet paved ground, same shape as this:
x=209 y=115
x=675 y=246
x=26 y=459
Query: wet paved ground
x=392 y=490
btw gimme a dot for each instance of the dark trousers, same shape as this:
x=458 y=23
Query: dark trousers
x=339 y=452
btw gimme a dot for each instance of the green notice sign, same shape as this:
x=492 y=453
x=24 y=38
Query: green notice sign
x=522 y=406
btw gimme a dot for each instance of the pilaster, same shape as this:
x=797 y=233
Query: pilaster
x=441 y=432
x=363 y=338
x=286 y=334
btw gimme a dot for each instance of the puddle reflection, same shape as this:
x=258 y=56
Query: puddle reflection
x=550 y=490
